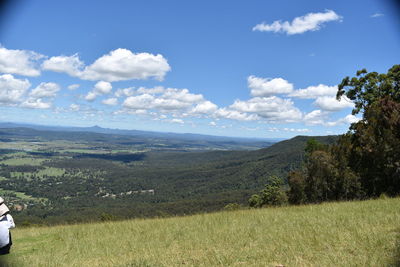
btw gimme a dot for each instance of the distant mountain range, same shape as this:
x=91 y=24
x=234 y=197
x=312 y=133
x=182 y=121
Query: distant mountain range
x=138 y=133
x=147 y=140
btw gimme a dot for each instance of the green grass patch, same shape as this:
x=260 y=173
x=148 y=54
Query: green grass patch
x=332 y=234
x=23 y=161
x=51 y=171
x=18 y=195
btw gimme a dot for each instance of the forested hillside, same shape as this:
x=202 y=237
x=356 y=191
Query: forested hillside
x=71 y=177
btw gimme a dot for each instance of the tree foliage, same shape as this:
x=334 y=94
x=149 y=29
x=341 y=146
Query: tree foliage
x=271 y=195
x=368 y=88
x=365 y=162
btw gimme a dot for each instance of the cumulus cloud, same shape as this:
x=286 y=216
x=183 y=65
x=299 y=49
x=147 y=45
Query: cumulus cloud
x=36 y=104
x=74 y=107
x=320 y=117
x=315 y=117
x=110 y=101
x=309 y=22
x=182 y=95
x=12 y=89
x=206 y=107
x=71 y=65
x=118 y=65
x=332 y=104
x=315 y=91
x=154 y=90
x=102 y=88
x=20 y=62
x=122 y=64
x=169 y=104
x=267 y=87
x=235 y=115
x=91 y=96
x=177 y=121
x=73 y=87
x=45 y=90
x=144 y=101
x=125 y=92
x=349 y=119
x=271 y=108
x=170 y=99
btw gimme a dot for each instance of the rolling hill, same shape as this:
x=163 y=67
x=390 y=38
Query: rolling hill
x=83 y=176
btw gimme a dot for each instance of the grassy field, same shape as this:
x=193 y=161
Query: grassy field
x=23 y=161
x=363 y=233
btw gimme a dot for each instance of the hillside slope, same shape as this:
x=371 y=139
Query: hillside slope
x=184 y=182
x=365 y=233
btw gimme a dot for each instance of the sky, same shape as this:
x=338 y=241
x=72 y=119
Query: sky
x=265 y=69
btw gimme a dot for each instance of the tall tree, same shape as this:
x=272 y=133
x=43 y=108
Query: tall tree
x=375 y=139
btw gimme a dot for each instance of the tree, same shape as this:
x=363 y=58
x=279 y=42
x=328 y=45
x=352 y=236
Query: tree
x=271 y=195
x=368 y=88
x=297 y=183
x=313 y=145
x=375 y=139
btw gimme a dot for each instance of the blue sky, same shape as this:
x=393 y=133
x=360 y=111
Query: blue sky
x=233 y=68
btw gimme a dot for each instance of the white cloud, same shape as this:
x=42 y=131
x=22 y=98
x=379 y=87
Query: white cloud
x=301 y=130
x=140 y=111
x=177 y=121
x=205 y=107
x=144 y=101
x=319 y=117
x=271 y=108
x=309 y=22
x=235 y=115
x=169 y=104
x=71 y=65
x=20 y=62
x=125 y=92
x=171 y=100
x=267 y=87
x=315 y=91
x=154 y=90
x=12 y=89
x=118 y=65
x=45 y=90
x=110 y=101
x=73 y=87
x=121 y=64
x=377 y=15
x=212 y=123
x=315 y=117
x=349 y=119
x=181 y=95
x=332 y=104
x=36 y=103
x=102 y=88
x=91 y=96
x=74 y=107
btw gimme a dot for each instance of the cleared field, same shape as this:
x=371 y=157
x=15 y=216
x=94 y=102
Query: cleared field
x=23 y=161
x=332 y=234
x=50 y=171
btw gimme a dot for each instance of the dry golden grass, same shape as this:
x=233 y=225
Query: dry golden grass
x=362 y=233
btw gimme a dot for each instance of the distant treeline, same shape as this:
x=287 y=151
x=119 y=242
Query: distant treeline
x=117 y=157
